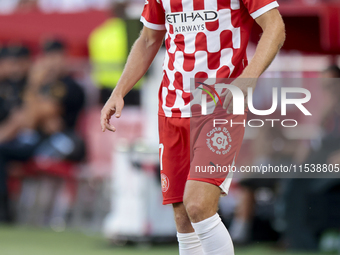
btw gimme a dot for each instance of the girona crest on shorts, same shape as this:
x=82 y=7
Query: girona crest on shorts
x=165 y=182
x=219 y=140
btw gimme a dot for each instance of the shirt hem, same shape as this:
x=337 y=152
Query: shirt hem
x=264 y=9
x=152 y=25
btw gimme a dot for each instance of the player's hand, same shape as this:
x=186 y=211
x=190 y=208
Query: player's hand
x=113 y=106
x=242 y=83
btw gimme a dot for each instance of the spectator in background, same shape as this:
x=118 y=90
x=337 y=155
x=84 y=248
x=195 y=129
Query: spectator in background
x=48 y=73
x=51 y=74
x=44 y=127
x=108 y=49
x=15 y=63
x=307 y=202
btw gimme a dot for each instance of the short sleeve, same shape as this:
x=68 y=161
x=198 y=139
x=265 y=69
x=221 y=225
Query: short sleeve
x=258 y=7
x=153 y=15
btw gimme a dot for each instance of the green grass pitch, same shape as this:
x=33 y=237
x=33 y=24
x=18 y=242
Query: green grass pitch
x=30 y=241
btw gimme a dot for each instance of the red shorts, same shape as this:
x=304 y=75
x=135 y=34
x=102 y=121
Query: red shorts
x=193 y=149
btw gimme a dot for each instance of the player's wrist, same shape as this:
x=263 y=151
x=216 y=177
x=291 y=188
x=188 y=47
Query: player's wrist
x=120 y=90
x=117 y=93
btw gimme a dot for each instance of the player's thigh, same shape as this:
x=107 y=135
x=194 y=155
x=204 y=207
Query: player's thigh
x=215 y=151
x=201 y=199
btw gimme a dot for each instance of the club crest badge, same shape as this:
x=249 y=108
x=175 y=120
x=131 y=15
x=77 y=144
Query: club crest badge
x=165 y=182
x=219 y=140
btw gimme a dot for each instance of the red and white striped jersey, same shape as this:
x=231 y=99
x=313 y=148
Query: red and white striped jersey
x=204 y=39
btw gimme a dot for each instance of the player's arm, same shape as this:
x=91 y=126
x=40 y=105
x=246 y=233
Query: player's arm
x=141 y=56
x=271 y=41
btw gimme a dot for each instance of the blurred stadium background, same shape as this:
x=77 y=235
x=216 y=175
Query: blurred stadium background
x=68 y=188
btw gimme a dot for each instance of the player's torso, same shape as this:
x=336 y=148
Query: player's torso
x=203 y=40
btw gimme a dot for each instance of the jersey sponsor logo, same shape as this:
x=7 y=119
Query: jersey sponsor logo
x=193 y=21
x=219 y=140
x=165 y=182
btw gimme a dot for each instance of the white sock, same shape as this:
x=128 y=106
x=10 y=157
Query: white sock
x=189 y=244
x=214 y=236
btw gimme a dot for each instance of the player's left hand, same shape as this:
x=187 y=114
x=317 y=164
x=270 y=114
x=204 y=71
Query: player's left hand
x=243 y=83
